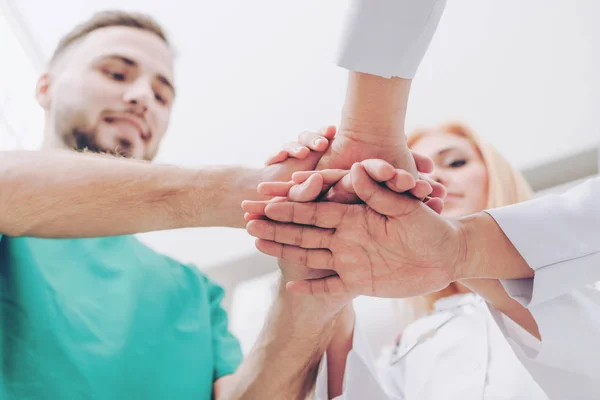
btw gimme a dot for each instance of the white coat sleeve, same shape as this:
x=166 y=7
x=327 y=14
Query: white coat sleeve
x=361 y=379
x=388 y=38
x=559 y=237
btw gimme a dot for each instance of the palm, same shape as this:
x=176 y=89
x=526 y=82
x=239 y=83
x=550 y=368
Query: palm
x=390 y=251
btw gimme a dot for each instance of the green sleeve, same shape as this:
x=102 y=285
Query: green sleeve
x=226 y=348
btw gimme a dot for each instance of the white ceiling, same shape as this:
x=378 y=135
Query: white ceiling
x=252 y=74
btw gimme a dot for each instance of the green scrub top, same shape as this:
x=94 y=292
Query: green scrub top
x=108 y=318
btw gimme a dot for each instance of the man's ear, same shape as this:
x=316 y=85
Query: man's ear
x=42 y=91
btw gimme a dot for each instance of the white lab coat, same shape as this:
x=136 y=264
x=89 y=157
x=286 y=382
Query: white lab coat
x=559 y=236
x=388 y=37
x=456 y=353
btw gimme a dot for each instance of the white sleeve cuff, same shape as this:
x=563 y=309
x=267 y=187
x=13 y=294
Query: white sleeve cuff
x=558 y=237
x=388 y=37
x=554 y=280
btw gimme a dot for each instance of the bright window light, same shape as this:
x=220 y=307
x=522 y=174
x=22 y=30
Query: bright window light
x=21 y=119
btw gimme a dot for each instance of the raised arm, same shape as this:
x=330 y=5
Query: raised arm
x=382 y=46
x=285 y=360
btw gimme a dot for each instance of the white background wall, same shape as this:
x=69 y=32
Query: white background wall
x=253 y=74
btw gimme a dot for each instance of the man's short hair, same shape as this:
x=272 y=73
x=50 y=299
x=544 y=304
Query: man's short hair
x=107 y=19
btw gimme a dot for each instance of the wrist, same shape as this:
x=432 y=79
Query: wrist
x=488 y=253
x=245 y=181
x=375 y=108
x=372 y=134
x=311 y=311
x=466 y=265
x=217 y=194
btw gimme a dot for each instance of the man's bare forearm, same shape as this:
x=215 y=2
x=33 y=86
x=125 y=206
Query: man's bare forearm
x=375 y=108
x=285 y=360
x=66 y=194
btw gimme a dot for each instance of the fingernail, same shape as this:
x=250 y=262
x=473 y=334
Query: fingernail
x=299 y=149
x=319 y=140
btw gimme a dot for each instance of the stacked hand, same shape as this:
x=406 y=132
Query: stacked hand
x=334 y=158
x=302 y=155
x=381 y=247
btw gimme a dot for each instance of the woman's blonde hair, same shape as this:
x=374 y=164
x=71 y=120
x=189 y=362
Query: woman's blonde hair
x=506 y=186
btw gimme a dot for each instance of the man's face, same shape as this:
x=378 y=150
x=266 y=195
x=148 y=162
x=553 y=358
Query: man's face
x=111 y=92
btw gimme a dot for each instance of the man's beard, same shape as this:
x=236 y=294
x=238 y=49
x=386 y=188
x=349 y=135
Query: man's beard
x=77 y=133
x=85 y=141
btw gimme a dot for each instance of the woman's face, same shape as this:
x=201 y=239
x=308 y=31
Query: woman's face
x=459 y=167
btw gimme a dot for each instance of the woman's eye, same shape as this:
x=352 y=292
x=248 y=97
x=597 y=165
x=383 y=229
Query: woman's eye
x=116 y=76
x=160 y=99
x=458 y=163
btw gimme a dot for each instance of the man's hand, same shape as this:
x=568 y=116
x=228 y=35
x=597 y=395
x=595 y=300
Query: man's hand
x=394 y=246
x=327 y=306
x=302 y=155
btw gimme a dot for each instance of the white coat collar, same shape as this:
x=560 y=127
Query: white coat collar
x=455 y=301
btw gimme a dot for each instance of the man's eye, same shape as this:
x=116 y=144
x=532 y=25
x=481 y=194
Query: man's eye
x=458 y=163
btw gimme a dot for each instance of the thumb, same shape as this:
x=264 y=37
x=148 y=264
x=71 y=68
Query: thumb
x=378 y=197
